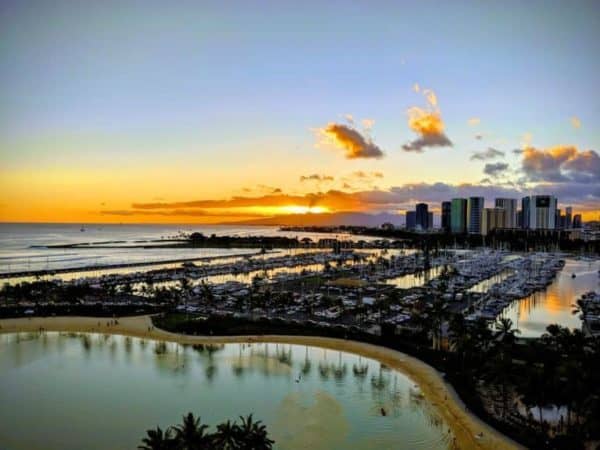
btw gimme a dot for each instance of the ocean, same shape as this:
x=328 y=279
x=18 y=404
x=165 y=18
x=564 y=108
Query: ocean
x=23 y=246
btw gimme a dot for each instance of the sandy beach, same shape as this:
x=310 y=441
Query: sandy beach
x=469 y=430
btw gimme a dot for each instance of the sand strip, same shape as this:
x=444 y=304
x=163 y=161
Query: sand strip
x=467 y=428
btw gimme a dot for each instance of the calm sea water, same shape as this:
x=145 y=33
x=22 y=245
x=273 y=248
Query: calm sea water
x=22 y=246
x=91 y=391
x=554 y=305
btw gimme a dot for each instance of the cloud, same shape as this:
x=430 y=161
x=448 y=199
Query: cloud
x=428 y=125
x=575 y=122
x=368 y=123
x=582 y=196
x=489 y=153
x=350 y=140
x=416 y=87
x=268 y=189
x=526 y=140
x=431 y=97
x=316 y=177
x=367 y=175
x=495 y=169
x=334 y=198
x=473 y=121
x=479 y=137
x=176 y=212
x=561 y=164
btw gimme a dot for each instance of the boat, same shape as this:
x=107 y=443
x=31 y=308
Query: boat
x=573 y=275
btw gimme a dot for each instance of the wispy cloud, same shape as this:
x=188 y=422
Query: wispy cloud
x=489 y=153
x=473 y=121
x=367 y=175
x=575 y=122
x=368 y=123
x=176 y=212
x=526 y=139
x=316 y=177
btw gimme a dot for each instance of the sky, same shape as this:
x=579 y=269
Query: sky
x=206 y=112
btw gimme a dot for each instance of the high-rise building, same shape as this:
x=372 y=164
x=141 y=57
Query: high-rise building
x=557 y=220
x=568 y=217
x=510 y=206
x=541 y=212
x=520 y=219
x=577 y=223
x=446 y=215
x=422 y=216
x=430 y=221
x=411 y=220
x=525 y=213
x=458 y=215
x=492 y=218
x=475 y=207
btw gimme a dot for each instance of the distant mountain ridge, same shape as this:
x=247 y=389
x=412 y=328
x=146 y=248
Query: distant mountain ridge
x=325 y=219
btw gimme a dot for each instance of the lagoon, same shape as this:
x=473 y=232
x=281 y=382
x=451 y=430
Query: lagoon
x=97 y=391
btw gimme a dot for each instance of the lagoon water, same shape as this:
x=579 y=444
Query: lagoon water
x=94 y=391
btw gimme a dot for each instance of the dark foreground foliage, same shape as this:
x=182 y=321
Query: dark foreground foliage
x=192 y=434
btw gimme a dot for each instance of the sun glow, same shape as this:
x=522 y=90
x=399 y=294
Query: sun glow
x=297 y=209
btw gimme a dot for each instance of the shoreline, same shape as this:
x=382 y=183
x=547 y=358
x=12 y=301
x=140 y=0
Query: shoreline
x=67 y=270
x=464 y=425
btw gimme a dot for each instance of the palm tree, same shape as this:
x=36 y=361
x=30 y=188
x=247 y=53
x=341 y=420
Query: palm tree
x=505 y=327
x=502 y=364
x=225 y=437
x=191 y=435
x=157 y=440
x=253 y=435
x=437 y=314
x=460 y=338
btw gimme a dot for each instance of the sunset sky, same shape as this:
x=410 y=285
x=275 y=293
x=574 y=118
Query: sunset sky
x=197 y=111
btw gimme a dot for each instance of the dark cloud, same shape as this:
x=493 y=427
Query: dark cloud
x=561 y=164
x=316 y=177
x=427 y=140
x=350 y=140
x=175 y=212
x=495 y=170
x=489 y=153
x=583 y=196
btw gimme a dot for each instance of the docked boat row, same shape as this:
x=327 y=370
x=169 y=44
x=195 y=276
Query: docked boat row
x=529 y=274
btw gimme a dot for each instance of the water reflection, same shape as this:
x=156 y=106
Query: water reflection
x=134 y=384
x=417 y=279
x=485 y=285
x=554 y=305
